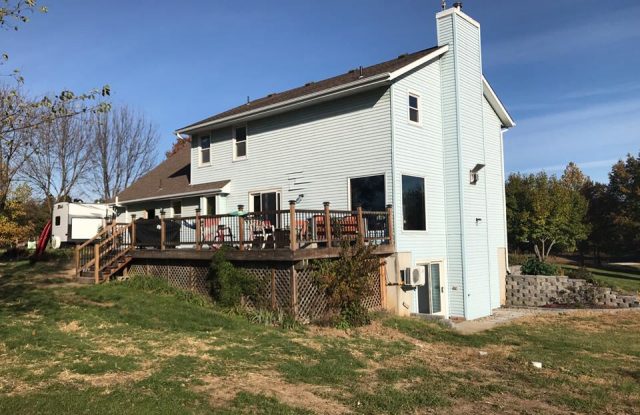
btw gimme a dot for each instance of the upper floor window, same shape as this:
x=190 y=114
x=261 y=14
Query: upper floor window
x=205 y=149
x=414 y=108
x=240 y=143
x=413 y=204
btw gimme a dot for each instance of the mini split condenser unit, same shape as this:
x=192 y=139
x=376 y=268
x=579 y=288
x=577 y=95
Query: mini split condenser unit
x=414 y=276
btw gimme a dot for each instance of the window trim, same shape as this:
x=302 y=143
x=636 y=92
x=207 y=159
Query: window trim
x=352 y=208
x=246 y=142
x=251 y=193
x=201 y=149
x=416 y=95
x=426 y=205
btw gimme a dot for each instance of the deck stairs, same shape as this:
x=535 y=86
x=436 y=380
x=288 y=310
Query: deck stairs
x=106 y=255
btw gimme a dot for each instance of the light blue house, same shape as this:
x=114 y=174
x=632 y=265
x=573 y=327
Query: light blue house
x=421 y=132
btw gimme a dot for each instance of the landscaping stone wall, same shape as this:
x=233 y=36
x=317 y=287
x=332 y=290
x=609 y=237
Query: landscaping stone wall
x=540 y=291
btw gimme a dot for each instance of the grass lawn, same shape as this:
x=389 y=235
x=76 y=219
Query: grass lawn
x=125 y=348
x=626 y=281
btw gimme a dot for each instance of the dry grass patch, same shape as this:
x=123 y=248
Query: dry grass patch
x=222 y=390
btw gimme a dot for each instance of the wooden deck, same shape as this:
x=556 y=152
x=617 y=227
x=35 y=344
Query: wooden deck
x=291 y=235
x=278 y=255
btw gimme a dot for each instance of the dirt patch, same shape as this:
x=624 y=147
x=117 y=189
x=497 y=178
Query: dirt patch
x=184 y=346
x=106 y=380
x=503 y=404
x=70 y=327
x=223 y=390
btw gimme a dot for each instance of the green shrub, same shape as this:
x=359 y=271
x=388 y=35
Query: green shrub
x=347 y=281
x=580 y=273
x=229 y=285
x=533 y=266
x=272 y=318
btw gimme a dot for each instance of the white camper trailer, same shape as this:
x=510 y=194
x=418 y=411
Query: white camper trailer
x=77 y=222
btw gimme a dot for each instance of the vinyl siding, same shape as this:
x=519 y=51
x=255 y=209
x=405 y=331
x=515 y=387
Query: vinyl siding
x=451 y=155
x=418 y=152
x=322 y=146
x=496 y=219
x=467 y=209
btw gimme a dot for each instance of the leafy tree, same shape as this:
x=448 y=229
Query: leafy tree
x=544 y=212
x=178 y=145
x=624 y=191
x=16 y=224
x=599 y=217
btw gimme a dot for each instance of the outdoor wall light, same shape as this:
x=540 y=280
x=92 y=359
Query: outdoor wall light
x=474 y=177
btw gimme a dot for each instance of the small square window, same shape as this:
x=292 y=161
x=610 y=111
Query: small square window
x=205 y=150
x=57 y=220
x=414 y=108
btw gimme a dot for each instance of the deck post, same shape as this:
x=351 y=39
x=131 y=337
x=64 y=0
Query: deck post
x=241 y=227
x=198 y=231
x=383 y=284
x=390 y=223
x=77 y=260
x=293 y=245
x=360 y=225
x=163 y=230
x=327 y=223
x=293 y=274
x=96 y=264
x=133 y=231
x=274 y=302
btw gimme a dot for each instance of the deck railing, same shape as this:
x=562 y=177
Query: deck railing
x=291 y=229
x=105 y=249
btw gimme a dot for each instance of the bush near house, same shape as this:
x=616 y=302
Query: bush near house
x=347 y=282
x=533 y=266
x=229 y=285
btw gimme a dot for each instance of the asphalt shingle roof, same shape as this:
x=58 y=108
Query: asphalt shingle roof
x=319 y=86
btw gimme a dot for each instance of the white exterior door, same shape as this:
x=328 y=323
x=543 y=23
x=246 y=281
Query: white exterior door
x=432 y=296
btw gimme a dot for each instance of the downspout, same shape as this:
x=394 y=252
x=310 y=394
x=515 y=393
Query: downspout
x=393 y=196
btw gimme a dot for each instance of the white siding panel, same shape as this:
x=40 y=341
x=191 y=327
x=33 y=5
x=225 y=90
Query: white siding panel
x=322 y=145
x=418 y=152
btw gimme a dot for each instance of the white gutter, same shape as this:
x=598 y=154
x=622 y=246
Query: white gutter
x=494 y=101
x=172 y=196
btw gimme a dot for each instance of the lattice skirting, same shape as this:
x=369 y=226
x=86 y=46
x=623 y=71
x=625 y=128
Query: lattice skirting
x=281 y=286
x=191 y=277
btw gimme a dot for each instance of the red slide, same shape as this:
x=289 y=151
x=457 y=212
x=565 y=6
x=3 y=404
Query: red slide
x=43 y=240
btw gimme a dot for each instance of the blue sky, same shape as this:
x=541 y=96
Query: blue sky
x=565 y=69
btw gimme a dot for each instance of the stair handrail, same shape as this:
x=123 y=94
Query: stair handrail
x=97 y=257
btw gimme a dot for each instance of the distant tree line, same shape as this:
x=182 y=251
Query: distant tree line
x=572 y=213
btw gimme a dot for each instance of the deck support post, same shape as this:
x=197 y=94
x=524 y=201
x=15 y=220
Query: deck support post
x=133 y=231
x=274 y=302
x=390 y=224
x=327 y=223
x=77 y=260
x=360 y=225
x=163 y=230
x=96 y=264
x=383 y=283
x=241 y=227
x=293 y=284
x=198 y=231
x=292 y=225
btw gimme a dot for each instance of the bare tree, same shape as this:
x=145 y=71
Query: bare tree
x=61 y=159
x=15 y=146
x=125 y=144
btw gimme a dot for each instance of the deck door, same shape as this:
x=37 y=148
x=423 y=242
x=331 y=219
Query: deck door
x=266 y=201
